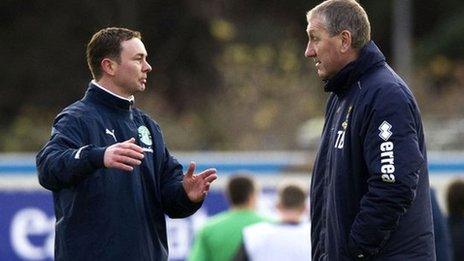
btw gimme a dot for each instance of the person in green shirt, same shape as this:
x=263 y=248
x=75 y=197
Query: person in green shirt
x=220 y=238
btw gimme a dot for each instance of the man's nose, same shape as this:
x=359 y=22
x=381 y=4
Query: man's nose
x=310 y=51
x=147 y=67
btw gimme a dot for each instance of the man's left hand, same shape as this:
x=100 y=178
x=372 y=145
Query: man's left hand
x=197 y=186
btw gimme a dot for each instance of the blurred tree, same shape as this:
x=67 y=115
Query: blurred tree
x=227 y=73
x=439 y=55
x=43 y=46
x=442 y=39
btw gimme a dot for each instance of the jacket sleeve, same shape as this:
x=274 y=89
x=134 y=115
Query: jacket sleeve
x=393 y=158
x=66 y=158
x=176 y=203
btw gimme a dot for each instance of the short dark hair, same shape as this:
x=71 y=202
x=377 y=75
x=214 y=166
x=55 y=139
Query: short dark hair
x=240 y=189
x=106 y=43
x=455 y=198
x=292 y=196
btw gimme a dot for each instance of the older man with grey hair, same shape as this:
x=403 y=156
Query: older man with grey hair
x=370 y=187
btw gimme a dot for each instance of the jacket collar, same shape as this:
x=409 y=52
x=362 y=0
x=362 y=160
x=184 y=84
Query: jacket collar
x=101 y=96
x=369 y=56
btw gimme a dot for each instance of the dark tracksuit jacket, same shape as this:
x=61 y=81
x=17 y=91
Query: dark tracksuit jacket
x=370 y=187
x=109 y=214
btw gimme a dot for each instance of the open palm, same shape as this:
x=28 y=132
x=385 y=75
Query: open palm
x=197 y=186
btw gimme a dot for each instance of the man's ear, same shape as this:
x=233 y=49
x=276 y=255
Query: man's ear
x=108 y=66
x=345 y=36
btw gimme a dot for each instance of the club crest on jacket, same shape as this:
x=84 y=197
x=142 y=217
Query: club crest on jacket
x=144 y=135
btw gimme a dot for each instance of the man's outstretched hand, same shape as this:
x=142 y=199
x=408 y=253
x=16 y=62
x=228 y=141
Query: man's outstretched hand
x=197 y=186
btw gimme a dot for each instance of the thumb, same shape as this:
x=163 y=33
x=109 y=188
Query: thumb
x=131 y=140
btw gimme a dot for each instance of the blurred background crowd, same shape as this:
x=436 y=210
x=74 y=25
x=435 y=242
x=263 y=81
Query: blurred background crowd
x=228 y=75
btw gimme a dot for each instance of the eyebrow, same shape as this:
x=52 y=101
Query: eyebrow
x=141 y=55
x=311 y=32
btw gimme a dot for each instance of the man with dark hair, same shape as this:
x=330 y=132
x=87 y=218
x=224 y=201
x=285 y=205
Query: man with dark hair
x=241 y=190
x=370 y=196
x=442 y=237
x=455 y=203
x=112 y=177
x=287 y=239
x=107 y=44
x=220 y=238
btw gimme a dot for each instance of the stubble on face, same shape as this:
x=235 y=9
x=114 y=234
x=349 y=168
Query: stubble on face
x=133 y=67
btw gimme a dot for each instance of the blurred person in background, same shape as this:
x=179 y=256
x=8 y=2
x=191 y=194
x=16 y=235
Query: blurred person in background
x=220 y=238
x=455 y=202
x=112 y=177
x=287 y=239
x=370 y=196
x=441 y=233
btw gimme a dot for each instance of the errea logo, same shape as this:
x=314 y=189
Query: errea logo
x=387 y=158
x=385 y=132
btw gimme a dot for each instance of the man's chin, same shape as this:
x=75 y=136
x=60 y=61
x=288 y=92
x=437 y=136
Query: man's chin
x=323 y=76
x=141 y=88
x=137 y=89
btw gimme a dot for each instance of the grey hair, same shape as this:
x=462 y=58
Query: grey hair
x=339 y=15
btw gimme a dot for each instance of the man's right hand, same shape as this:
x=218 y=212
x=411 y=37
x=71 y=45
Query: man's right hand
x=123 y=155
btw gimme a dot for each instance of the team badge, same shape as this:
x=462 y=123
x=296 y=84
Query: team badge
x=144 y=135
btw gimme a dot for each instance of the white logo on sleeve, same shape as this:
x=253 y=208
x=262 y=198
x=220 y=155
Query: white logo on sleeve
x=78 y=153
x=111 y=133
x=385 y=132
x=387 y=157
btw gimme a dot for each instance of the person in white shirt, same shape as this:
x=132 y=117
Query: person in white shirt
x=287 y=239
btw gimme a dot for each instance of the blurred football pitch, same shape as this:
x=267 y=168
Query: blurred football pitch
x=26 y=210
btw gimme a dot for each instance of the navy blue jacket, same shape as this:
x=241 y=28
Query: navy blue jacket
x=370 y=187
x=109 y=214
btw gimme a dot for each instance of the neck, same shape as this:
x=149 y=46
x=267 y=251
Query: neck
x=243 y=207
x=351 y=56
x=290 y=216
x=110 y=86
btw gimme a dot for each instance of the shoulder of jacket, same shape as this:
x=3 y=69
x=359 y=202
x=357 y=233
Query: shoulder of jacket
x=76 y=111
x=383 y=83
x=80 y=109
x=257 y=227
